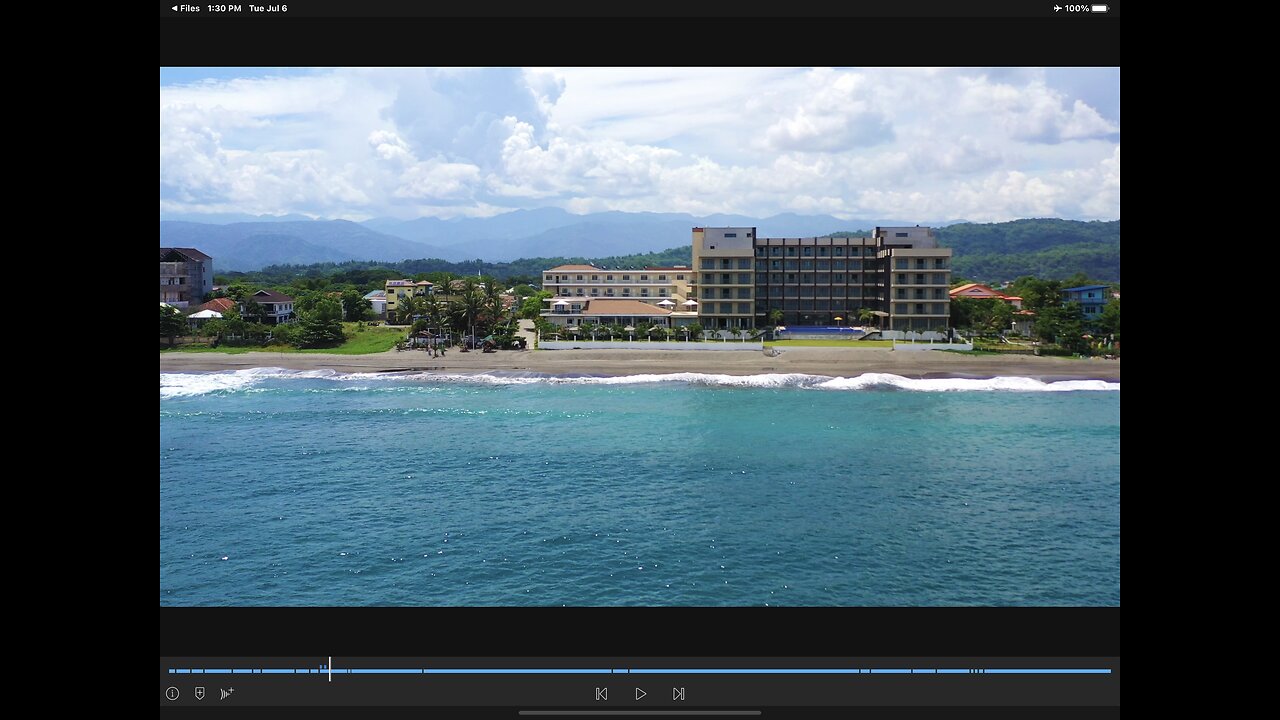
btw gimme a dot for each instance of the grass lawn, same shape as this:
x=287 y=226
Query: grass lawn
x=830 y=343
x=366 y=341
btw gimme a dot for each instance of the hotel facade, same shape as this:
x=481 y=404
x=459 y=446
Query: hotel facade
x=640 y=297
x=900 y=273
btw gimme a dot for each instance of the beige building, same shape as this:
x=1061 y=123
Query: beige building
x=572 y=311
x=650 y=285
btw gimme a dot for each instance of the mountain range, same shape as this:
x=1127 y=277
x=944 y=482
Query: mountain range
x=244 y=242
x=993 y=251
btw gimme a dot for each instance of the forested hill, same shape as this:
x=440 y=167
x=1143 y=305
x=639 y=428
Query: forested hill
x=1046 y=248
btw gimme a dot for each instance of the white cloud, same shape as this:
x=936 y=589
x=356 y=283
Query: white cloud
x=912 y=144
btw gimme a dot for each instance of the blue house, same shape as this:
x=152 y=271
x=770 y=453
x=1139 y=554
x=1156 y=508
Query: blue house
x=1092 y=299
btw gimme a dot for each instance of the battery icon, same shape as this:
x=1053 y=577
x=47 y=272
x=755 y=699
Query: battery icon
x=1099 y=8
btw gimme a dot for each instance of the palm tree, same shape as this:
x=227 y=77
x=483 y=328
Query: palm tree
x=775 y=317
x=407 y=306
x=493 y=298
x=736 y=332
x=866 y=316
x=472 y=301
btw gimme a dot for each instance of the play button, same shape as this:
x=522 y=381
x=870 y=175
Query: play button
x=640 y=693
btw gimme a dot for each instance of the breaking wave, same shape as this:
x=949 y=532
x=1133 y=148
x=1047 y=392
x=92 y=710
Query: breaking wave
x=175 y=385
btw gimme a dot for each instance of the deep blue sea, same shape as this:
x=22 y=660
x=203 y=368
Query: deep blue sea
x=317 y=488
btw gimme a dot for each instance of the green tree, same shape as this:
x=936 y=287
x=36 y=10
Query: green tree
x=172 y=323
x=354 y=306
x=867 y=317
x=253 y=312
x=534 y=304
x=1109 y=320
x=1001 y=317
x=492 y=305
x=322 y=325
x=287 y=334
x=695 y=331
x=407 y=306
x=775 y=317
x=472 y=302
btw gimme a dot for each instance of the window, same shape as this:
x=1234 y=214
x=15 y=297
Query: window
x=939 y=279
x=662 y=292
x=744 y=263
x=609 y=277
x=808 y=251
x=662 y=278
x=775 y=251
x=902 y=279
x=901 y=264
x=626 y=278
x=838 y=251
x=919 y=308
x=744 y=278
x=579 y=277
x=822 y=251
x=644 y=292
x=708 y=264
x=919 y=278
x=679 y=277
x=595 y=277
x=744 y=292
x=644 y=278
x=729 y=235
x=791 y=251
x=900 y=235
x=900 y=308
x=744 y=308
x=725 y=278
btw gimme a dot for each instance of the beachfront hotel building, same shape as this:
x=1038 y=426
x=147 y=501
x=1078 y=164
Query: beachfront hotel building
x=641 y=297
x=900 y=273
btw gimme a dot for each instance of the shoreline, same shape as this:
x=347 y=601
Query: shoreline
x=827 y=361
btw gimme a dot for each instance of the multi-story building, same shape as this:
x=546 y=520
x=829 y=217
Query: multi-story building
x=396 y=289
x=1092 y=299
x=649 y=284
x=900 y=273
x=277 y=307
x=186 y=276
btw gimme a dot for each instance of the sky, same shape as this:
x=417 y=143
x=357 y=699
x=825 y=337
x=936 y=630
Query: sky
x=913 y=144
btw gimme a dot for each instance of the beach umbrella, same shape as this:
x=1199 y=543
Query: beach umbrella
x=667 y=303
x=690 y=303
x=630 y=331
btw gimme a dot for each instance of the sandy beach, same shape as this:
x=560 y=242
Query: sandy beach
x=836 y=362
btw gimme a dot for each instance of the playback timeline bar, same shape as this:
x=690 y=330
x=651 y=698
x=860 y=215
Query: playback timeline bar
x=535 y=684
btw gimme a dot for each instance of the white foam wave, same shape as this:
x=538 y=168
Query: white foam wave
x=173 y=385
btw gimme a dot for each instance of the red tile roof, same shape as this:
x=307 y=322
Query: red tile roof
x=219 y=305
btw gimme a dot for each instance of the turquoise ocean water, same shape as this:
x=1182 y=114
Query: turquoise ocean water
x=317 y=488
